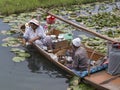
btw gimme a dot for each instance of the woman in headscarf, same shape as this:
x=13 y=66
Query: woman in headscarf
x=35 y=34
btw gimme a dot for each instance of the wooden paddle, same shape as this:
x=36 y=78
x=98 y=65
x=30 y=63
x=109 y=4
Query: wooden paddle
x=90 y=61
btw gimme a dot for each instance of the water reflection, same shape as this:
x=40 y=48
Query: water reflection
x=38 y=64
x=33 y=62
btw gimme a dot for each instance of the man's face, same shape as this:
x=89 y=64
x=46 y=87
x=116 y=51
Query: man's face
x=33 y=26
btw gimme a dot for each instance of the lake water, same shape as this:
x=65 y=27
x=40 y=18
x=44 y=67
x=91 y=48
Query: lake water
x=36 y=73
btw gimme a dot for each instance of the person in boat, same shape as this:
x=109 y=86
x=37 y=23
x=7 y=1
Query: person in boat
x=34 y=33
x=79 y=56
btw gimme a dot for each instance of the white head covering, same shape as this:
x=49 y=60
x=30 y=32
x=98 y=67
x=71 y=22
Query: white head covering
x=34 y=21
x=76 y=42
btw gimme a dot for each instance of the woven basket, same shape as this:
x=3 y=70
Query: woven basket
x=54 y=32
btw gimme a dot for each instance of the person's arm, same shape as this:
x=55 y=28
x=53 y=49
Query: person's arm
x=34 y=39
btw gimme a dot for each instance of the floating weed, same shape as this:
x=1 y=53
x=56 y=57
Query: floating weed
x=83 y=86
x=76 y=85
x=74 y=81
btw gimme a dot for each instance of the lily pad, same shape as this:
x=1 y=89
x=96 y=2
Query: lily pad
x=3 y=32
x=24 y=54
x=17 y=50
x=18 y=59
x=12 y=42
x=4 y=44
x=9 y=39
x=1 y=16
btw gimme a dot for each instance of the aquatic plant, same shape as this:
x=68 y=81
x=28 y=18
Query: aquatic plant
x=75 y=84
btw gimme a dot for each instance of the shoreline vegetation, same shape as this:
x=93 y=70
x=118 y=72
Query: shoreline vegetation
x=8 y=7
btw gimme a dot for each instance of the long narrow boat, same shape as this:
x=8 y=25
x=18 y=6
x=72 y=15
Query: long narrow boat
x=101 y=80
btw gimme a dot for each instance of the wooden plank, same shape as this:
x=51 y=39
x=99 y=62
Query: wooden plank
x=113 y=85
x=98 y=77
x=104 y=80
x=109 y=80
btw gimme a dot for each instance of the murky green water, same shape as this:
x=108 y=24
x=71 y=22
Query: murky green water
x=36 y=73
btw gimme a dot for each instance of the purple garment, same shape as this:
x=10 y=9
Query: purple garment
x=80 y=59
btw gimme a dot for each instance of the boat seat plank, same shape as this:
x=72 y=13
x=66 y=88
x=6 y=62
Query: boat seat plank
x=99 y=77
x=113 y=85
x=112 y=82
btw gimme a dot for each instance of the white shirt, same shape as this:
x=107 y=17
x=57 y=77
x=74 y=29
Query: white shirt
x=29 y=33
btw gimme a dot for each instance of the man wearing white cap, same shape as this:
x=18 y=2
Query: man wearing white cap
x=79 y=55
x=35 y=33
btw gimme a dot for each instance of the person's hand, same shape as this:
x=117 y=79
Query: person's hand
x=31 y=41
x=27 y=43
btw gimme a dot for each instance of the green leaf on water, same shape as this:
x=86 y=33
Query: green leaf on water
x=4 y=44
x=17 y=50
x=74 y=81
x=1 y=16
x=24 y=54
x=77 y=88
x=18 y=59
x=3 y=32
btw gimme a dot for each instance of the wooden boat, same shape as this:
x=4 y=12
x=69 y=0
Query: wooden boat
x=101 y=80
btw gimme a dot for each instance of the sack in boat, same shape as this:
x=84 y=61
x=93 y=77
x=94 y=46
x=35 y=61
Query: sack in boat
x=114 y=61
